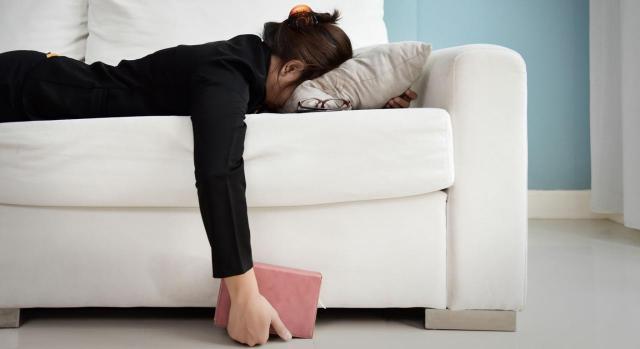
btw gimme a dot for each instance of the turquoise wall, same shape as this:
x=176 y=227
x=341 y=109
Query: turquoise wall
x=553 y=38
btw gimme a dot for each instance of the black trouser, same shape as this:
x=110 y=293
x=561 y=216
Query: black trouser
x=14 y=66
x=221 y=199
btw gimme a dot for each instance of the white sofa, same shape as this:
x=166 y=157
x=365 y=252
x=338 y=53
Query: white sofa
x=104 y=212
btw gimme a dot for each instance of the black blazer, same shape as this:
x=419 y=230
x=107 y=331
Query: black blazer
x=215 y=83
x=171 y=81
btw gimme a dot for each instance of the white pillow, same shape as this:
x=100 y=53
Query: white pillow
x=374 y=75
x=53 y=25
x=126 y=29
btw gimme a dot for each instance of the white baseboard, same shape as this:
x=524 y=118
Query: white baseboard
x=558 y=204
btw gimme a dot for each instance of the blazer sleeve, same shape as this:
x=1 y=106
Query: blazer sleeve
x=219 y=97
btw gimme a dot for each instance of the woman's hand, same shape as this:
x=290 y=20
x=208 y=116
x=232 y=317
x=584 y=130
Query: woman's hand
x=401 y=101
x=250 y=314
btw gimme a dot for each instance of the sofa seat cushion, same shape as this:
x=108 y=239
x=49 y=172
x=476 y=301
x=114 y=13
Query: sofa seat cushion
x=290 y=159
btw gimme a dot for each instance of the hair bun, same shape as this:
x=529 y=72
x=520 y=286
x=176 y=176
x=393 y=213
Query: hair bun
x=327 y=17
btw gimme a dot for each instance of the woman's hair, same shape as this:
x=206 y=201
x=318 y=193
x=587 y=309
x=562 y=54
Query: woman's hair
x=314 y=38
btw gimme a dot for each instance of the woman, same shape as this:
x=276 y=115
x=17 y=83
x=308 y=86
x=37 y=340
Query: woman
x=216 y=84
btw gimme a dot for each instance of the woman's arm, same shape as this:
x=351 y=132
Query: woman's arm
x=219 y=98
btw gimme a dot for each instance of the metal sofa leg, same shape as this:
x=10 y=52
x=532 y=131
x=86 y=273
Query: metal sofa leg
x=9 y=317
x=479 y=320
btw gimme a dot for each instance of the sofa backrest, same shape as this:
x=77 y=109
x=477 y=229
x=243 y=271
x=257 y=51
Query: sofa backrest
x=128 y=29
x=44 y=25
x=111 y=30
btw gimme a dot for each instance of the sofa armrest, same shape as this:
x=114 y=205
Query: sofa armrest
x=484 y=89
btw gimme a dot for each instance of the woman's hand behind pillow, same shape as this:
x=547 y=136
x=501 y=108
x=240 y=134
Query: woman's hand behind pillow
x=401 y=101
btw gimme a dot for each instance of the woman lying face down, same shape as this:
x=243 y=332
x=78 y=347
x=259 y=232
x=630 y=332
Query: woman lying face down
x=215 y=84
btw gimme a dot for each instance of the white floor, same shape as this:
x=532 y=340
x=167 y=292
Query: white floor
x=584 y=292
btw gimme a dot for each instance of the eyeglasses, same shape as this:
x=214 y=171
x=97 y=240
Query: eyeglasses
x=317 y=104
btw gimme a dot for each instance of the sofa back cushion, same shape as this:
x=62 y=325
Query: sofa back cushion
x=52 y=25
x=125 y=29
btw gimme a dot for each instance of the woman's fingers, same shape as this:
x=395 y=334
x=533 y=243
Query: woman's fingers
x=411 y=94
x=408 y=95
x=279 y=326
x=393 y=102
x=401 y=102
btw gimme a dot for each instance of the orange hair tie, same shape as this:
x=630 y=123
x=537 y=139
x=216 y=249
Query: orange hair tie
x=301 y=16
x=302 y=8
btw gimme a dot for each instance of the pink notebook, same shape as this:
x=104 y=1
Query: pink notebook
x=294 y=293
